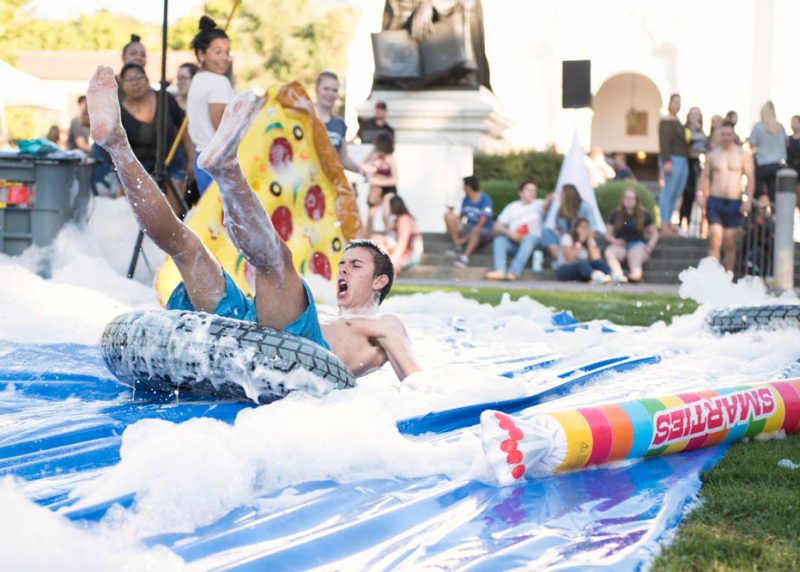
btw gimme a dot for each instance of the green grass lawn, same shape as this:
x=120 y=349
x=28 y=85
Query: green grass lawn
x=620 y=308
x=749 y=518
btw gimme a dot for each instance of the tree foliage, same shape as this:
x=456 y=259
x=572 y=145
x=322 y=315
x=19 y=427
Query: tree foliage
x=277 y=40
x=12 y=25
x=292 y=40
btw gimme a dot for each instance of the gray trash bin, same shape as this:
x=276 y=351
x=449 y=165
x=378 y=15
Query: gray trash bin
x=38 y=195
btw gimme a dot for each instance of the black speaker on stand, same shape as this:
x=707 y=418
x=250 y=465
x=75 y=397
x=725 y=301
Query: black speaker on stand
x=576 y=84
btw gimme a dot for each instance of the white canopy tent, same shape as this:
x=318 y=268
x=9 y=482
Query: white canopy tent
x=22 y=89
x=574 y=171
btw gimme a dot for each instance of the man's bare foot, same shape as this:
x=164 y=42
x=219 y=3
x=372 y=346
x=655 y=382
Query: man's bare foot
x=223 y=147
x=102 y=102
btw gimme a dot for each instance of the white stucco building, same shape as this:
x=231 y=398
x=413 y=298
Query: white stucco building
x=718 y=54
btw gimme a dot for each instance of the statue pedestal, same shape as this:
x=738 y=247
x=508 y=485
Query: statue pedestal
x=443 y=117
x=429 y=178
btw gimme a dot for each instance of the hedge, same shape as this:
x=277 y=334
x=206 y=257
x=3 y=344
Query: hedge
x=542 y=166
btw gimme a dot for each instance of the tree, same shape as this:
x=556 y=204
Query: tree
x=12 y=25
x=290 y=40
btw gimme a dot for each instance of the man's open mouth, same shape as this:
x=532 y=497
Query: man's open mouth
x=342 y=286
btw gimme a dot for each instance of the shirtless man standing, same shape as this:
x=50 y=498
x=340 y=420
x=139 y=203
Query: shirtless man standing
x=725 y=165
x=363 y=341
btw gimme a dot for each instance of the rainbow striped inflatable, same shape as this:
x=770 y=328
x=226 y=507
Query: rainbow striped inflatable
x=557 y=441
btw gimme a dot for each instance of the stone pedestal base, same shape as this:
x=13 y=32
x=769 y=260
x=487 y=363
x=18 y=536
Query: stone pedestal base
x=429 y=178
x=443 y=117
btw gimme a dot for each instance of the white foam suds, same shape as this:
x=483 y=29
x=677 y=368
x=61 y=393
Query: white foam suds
x=190 y=473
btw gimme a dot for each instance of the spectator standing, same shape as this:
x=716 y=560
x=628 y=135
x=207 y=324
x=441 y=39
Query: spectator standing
x=381 y=166
x=793 y=150
x=402 y=240
x=572 y=208
x=632 y=236
x=621 y=170
x=579 y=256
x=599 y=169
x=768 y=141
x=473 y=227
x=793 y=145
x=713 y=137
x=78 y=137
x=327 y=89
x=104 y=177
x=517 y=232
x=54 y=134
x=183 y=82
x=674 y=152
x=733 y=118
x=209 y=92
x=133 y=52
x=698 y=144
x=369 y=129
x=721 y=185
x=139 y=115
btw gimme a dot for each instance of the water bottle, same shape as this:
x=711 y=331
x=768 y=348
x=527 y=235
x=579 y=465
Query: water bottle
x=538 y=260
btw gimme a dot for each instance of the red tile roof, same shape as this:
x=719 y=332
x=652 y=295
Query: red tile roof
x=80 y=65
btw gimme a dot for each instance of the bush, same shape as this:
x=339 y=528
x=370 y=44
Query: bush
x=608 y=198
x=542 y=166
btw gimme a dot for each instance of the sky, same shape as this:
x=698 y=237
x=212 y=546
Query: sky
x=146 y=10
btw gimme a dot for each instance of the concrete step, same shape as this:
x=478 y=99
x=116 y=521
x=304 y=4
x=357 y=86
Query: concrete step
x=474 y=273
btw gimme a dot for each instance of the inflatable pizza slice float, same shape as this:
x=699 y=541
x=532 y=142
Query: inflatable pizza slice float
x=294 y=170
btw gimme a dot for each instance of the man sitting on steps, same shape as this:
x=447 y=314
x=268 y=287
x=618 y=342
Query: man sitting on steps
x=473 y=227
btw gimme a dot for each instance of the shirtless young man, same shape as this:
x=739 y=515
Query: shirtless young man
x=363 y=341
x=725 y=165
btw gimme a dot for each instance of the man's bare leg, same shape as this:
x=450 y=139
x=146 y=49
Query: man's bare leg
x=715 y=241
x=280 y=296
x=202 y=274
x=729 y=244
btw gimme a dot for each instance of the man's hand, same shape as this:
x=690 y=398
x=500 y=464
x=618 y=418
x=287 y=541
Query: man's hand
x=422 y=21
x=667 y=167
x=746 y=207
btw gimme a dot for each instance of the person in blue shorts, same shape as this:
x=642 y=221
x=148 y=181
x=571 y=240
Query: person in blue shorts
x=362 y=340
x=721 y=190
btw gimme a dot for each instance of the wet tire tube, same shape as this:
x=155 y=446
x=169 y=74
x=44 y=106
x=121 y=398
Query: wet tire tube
x=739 y=319
x=208 y=355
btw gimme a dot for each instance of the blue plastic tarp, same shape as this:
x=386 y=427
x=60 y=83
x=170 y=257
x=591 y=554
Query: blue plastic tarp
x=611 y=517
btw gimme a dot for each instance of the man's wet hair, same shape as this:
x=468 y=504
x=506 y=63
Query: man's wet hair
x=382 y=262
x=728 y=123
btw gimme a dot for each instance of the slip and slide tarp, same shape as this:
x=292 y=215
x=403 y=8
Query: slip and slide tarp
x=608 y=517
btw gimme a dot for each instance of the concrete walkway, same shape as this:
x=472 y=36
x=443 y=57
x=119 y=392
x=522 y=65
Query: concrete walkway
x=548 y=285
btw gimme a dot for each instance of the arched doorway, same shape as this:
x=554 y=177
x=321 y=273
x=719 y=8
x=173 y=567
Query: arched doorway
x=627 y=110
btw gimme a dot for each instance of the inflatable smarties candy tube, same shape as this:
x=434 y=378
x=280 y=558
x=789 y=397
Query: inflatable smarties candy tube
x=556 y=441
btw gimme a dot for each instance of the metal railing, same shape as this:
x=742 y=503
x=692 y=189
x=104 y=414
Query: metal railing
x=755 y=244
x=766 y=245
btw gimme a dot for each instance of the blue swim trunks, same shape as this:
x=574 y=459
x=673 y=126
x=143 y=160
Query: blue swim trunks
x=724 y=212
x=234 y=304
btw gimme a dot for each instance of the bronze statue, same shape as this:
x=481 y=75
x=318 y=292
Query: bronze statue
x=431 y=43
